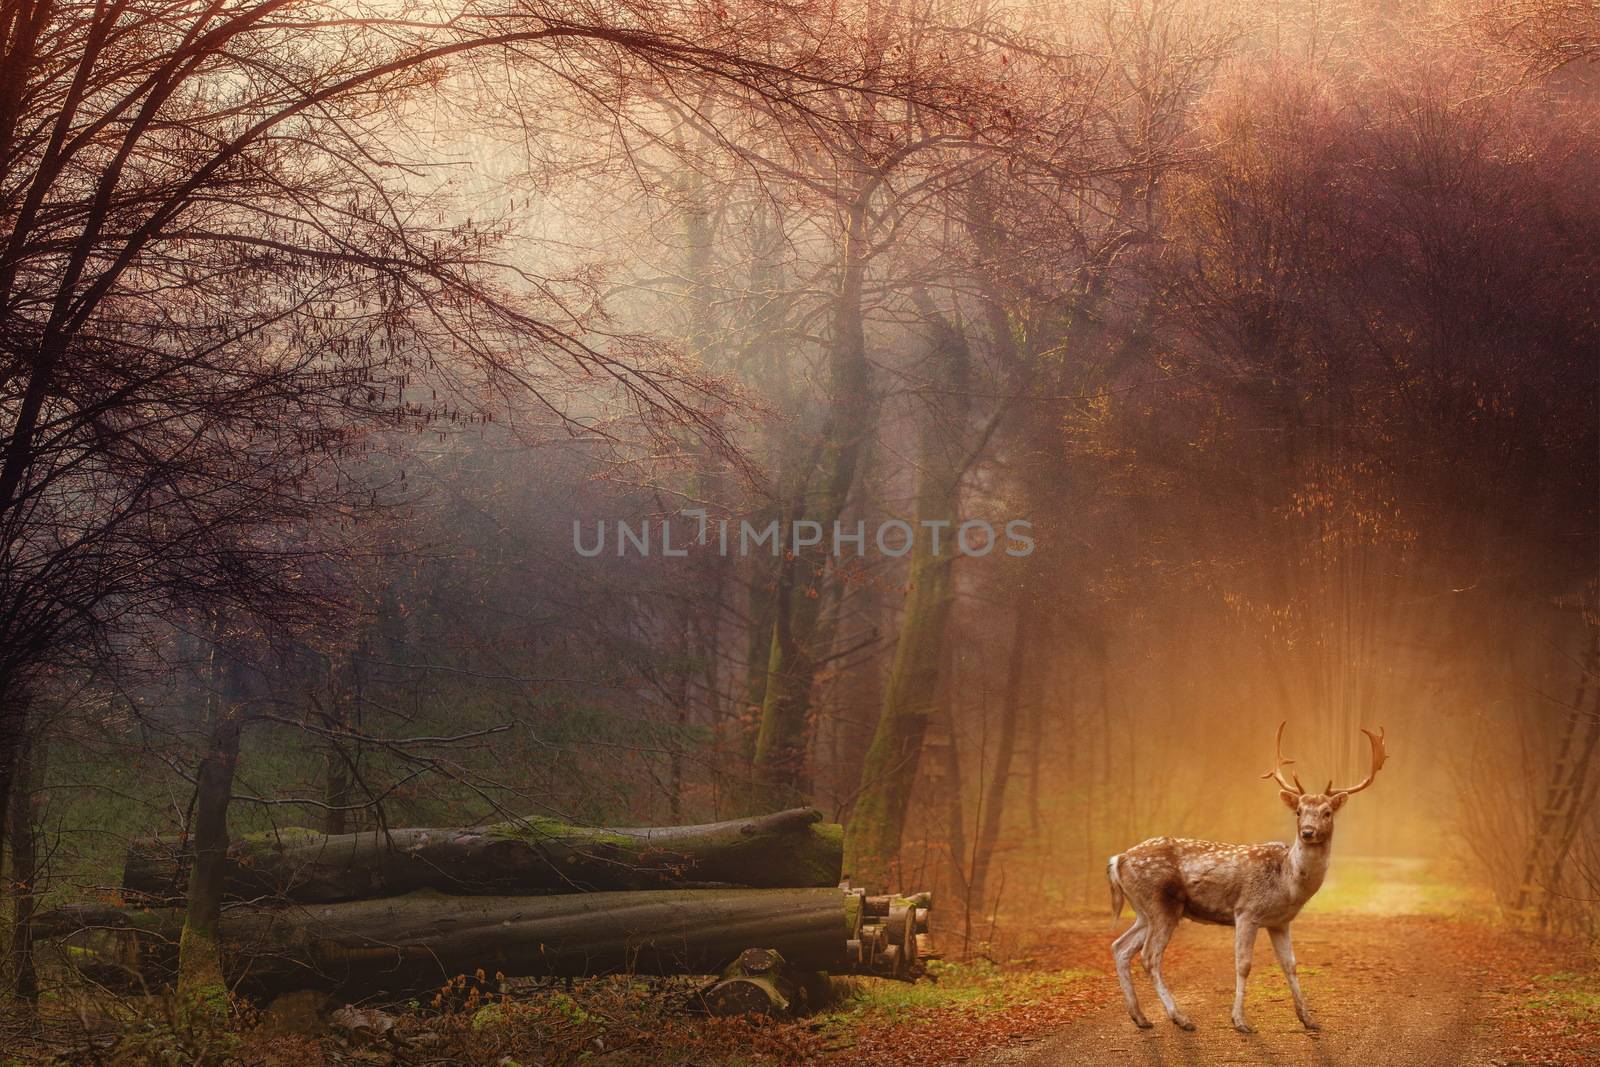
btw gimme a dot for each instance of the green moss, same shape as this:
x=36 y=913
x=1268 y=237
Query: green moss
x=202 y=992
x=148 y=920
x=852 y=913
x=817 y=862
x=569 y=1008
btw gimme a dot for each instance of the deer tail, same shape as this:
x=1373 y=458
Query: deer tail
x=1116 y=886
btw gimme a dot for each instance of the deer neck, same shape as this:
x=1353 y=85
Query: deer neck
x=1307 y=866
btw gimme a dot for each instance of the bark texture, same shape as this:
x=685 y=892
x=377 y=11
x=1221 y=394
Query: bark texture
x=421 y=940
x=877 y=822
x=994 y=797
x=200 y=975
x=541 y=856
x=779 y=770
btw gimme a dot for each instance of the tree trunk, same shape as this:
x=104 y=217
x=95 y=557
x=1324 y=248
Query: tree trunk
x=956 y=830
x=1005 y=749
x=779 y=772
x=791 y=848
x=764 y=362
x=200 y=974
x=780 y=757
x=677 y=686
x=13 y=731
x=877 y=823
x=860 y=689
x=338 y=782
x=423 y=940
x=762 y=607
x=24 y=869
x=1036 y=750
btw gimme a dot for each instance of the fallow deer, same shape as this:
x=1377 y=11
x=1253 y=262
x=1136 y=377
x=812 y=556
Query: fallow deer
x=1248 y=887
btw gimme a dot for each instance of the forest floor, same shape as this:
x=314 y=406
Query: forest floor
x=1397 y=968
x=1400 y=989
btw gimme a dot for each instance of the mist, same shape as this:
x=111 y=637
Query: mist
x=1044 y=402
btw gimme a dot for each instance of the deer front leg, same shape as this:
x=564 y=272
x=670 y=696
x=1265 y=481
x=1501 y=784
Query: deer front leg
x=1284 y=947
x=1244 y=946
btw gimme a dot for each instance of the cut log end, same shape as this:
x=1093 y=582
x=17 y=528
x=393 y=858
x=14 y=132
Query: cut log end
x=749 y=996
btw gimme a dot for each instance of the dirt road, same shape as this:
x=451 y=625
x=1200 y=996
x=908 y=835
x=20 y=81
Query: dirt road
x=1386 y=989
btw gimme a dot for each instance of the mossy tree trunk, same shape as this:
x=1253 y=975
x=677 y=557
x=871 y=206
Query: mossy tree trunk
x=700 y=623
x=201 y=985
x=877 y=822
x=859 y=687
x=761 y=606
x=779 y=773
x=695 y=682
x=764 y=362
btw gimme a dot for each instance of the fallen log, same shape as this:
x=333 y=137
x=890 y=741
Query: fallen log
x=787 y=849
x=420 y=941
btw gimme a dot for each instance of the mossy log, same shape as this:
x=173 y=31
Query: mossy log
x=536 y=856
x=420 y=941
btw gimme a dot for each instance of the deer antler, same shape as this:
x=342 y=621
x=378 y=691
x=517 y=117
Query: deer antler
x=1297 y=789
x=1378 y=758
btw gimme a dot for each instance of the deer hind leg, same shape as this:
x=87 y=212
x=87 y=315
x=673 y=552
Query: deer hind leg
x=1244 y=946
x=1123 y=949
x=1284 y=947
x=1163 y=921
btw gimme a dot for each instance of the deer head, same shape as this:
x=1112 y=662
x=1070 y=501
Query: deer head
x=1314 y=812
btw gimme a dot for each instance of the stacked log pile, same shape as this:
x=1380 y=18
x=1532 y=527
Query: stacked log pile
x=380 y=913
x=889 y=934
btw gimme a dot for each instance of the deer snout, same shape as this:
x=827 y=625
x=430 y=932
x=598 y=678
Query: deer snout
x=1307 y=833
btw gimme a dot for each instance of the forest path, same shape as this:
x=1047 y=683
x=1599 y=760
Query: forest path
x=1387 y=989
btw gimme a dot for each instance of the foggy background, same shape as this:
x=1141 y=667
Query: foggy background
x=1277 y=322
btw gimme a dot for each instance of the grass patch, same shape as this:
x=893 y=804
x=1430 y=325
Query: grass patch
x=961 y=1013
x=1568 y=994
x=977 y=988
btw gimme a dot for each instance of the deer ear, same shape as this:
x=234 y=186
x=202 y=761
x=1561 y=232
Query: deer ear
x=1338 y=799
x=1290 y=800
